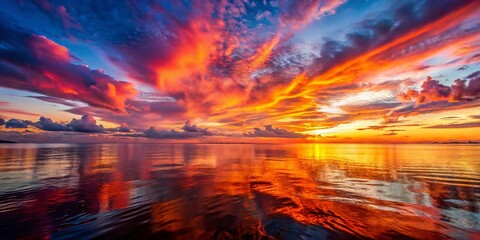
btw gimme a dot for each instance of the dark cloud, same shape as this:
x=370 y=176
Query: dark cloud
x=17 y=123
x=86 y=124
x=189 y=130
x=451 y=117
x=473 y=89
x=168 y=134
x=474 y=116
x=270 y=131
x=48 y=124
x=464 y=67
x=123 y=128
x=390 y=134
x=189 y=127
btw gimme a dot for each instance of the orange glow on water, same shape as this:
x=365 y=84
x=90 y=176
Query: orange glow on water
x=189 y=191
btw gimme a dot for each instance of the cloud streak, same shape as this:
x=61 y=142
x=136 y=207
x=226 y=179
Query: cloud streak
x=456 y=125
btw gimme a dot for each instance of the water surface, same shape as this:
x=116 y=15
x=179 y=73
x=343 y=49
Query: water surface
x=207 y=191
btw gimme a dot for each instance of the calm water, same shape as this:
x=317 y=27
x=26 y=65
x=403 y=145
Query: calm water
x=175 y=191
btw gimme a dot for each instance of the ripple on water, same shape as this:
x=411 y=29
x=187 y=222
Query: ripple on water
x=176 y=191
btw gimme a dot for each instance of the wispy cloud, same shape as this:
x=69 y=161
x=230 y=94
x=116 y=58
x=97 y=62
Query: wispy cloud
x=456 y=125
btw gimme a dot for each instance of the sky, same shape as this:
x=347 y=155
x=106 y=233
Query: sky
x=274 y=71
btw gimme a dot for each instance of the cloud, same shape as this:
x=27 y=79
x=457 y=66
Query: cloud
x=389 y=134
x=140 y=114
x=48 y=124
x=434 y=97
x=189 y=127
x=54 y=100
x=456 y=125
x=86 y=124
x=474 y=116
x=270 y=131
x=433 y=91
x=387 y=126
x=17 y=123
x=167 y=134
x=123 y=128
x=375 y=127
x=189 y=130
x=57 y=14
x=397 y=130
x=37 y=64
x=17 y=111
x=452 y=117
x=298 y=13
x=441 y=106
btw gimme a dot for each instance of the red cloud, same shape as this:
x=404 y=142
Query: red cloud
x=44 y=48
x=37 y=64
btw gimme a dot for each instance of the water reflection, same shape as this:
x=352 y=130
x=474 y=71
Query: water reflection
x=175 y=191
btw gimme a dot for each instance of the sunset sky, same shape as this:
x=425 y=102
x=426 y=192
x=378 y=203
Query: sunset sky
x=240 y=71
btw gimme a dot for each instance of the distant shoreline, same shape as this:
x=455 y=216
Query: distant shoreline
x=5 y=141
x=454 y=142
